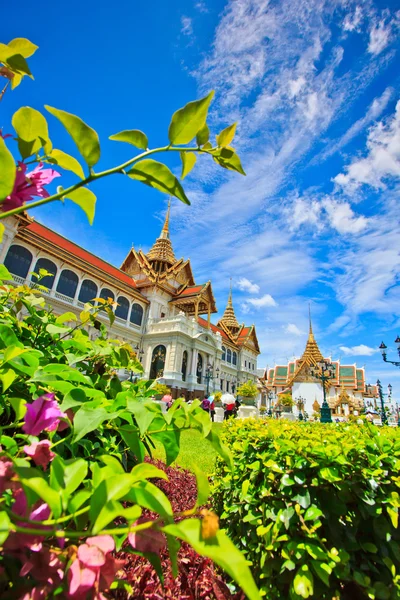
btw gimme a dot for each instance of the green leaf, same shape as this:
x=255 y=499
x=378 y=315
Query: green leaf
x=188 y=161
x=32 y=130
x=313 y=513
x=2 y=228
x=88 y=419
x=170 y=441
x=147 y=471
x=130 y=435
x=303 y=583
x=19 y=406
x=56 y=329
x=222 y=450
x=8 y=171
x=7 y=378
x=132 y=136
x=331 y=474
x=68 y=316
x=203 y=487
x=5 y=274
x=18 y=65
x=68 y=474
x=4 y=526
x=203 y=135
x=226 y=136
x=143 y=415
x=322 y=570
x=45 y=492
x=112 y=488
x=67 y=162
x=189 y=120
x=158 y=176
x=84 y=198
x=303 y=498
x=221 y=550
x=85 y=138
x=23 y=46
x=228 y=159
x=149 y=496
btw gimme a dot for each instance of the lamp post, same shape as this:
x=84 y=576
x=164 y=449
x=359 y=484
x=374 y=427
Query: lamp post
x=324 y=371
x=381 y=394
x=383 y=349
x=270 y=397
x=300 y=407
x=210 y=375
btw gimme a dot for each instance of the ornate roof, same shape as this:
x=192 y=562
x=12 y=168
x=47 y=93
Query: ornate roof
x=229 y=318
x=312 y=353
x=162 y=248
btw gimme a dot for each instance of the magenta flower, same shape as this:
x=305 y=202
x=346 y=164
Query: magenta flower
x=40 y=511
x=29 y=185
x=40 y=453
x=94 y=568
x=6 y=473
x=42 y=414
x=147 y=540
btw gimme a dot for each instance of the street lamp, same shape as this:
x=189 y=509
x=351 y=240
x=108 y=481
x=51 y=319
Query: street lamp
x=324 y=371
x=383 y=349
x=210 y=375
x=381 y=394
x=300 y=407
x=270 y=398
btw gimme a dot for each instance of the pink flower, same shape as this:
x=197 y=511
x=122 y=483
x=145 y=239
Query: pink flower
x=40 y=511
x=94 y=568
x=40 y=453
x=64 y=424
x=6 y=473
x=29 y=185
x=146 y=540
x=42 y=414
x=44 y=566
x=167 y=398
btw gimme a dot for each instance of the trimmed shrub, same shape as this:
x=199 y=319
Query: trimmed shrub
x=314 y=507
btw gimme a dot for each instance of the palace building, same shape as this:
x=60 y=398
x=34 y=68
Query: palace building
x=347 y=393
x=161 y=310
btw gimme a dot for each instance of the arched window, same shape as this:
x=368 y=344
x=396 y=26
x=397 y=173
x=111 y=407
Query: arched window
x=199 y=369
x=229 y=355
x=122 y=308
x=67 y=283
x=223 y=353
x=184 y=365
x=158 y=362
x=234 y=358
x=18 y=260
x=88 y=291
x=136 y=314
x=106 y=294
x=45 y=263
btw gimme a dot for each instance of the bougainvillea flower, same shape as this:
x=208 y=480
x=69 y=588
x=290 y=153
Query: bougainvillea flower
x=147 y=540
x=6 y=472
x=42 y=414
x=94 y=568
x=29 y=185
x=45 y=566
x=40 y=453
x=40 y=511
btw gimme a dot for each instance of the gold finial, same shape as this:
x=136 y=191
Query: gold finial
x=165 y=229
x=309 y=317
x=229 y=317
x=230 y=292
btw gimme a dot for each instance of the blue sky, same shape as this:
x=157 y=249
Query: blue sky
x=314 y=86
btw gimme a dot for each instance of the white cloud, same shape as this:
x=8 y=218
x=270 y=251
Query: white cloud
x=201 y=6
x=379 y=37
x=266 y=300
x=382 y=161
x=295 y=85
x=342 y=217
x=352 y=21
x=361 y=350
x=186 y=26
x=304 y=212
x=245 y=285
x=291 y=328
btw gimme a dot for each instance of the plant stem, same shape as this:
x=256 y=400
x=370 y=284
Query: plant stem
x=95 y=176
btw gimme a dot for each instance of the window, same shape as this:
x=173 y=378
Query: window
x=233 y=389
x=136 y=314
x=88 y=291
x=18 y=260
x=229 y=355
x=223 y=353
x=199 y=369
x=45 y=263
x=227 y=386
x=245 y=364
x=157 y=361
x=67 y=283
x=234 y=358
x=106 y=294
x=184 y=365
x=222 y=385
x=122 y=309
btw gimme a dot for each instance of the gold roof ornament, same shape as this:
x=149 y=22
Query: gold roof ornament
x=312 y=354
x=229 y=318
x=162 y=249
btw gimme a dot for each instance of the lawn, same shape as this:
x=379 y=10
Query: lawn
x=195 y=450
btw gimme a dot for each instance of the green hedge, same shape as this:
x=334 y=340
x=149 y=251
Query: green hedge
x=314 y=507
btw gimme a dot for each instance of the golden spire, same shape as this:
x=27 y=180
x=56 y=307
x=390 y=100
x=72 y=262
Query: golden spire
x=162 y=248
x=312 y=353
x=229 y=317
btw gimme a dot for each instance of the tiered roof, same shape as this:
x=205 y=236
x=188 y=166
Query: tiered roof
x=162 y=249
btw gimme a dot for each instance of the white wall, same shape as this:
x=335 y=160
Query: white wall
x=309 y=390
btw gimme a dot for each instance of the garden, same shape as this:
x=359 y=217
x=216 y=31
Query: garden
x=105 y=496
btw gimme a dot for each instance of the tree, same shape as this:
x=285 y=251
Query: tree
x=248 y=389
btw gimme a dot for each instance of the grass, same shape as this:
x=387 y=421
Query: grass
x=194 y=450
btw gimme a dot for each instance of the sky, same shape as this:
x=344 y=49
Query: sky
x=314 y=88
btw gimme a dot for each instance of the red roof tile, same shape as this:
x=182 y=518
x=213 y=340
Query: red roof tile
x=214 y=328
x=191 y=291
x=61 y=242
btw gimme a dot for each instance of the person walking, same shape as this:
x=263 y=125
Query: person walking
x=205 y=405
x=212 y=408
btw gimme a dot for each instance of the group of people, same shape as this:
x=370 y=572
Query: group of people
x=230 y=410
